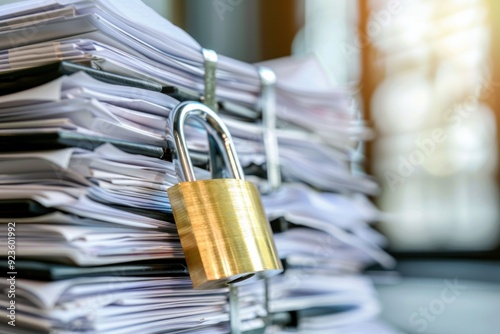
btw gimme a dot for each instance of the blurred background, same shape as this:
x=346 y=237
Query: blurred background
x=426 y=77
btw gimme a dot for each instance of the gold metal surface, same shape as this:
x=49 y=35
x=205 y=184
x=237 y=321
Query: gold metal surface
x=224 y=232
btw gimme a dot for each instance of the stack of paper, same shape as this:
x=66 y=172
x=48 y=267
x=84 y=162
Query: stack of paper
x=80 y=208
x=110 y=304
x=132 y=39
x=84 y=171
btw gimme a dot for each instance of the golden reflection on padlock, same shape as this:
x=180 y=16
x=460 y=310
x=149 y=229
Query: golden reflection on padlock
x=224 y=232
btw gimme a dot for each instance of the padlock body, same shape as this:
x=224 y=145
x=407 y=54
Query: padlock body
x=224 y=232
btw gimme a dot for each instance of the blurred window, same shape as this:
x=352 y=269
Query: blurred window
x=435 y=155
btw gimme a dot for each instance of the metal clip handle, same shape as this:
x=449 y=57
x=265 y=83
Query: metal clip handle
x=216 y=130
x=268 y=109
x=210 y=63
x=210 y=100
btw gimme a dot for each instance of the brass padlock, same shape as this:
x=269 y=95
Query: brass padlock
x=224 y=232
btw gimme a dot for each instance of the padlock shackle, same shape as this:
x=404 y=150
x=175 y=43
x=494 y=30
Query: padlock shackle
x=216 y=130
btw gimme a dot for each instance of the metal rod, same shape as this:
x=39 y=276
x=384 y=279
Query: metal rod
x=234 y=310
x=210 y=62
x=210 y=100
x=268 y=107
x=267 y=300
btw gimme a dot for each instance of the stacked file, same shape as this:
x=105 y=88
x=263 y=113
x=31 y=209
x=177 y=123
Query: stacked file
x=84 y=170
x=97 y=223
x=132 y=39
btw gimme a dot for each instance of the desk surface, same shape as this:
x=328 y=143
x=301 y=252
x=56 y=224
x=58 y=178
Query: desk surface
x=441 y=297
